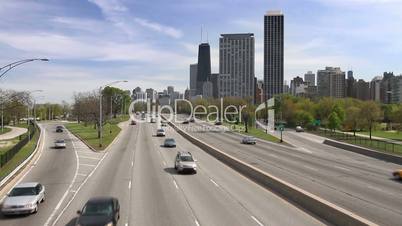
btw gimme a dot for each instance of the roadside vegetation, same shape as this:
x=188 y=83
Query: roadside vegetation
x=85 y=111
x=5 y=130
x=22 y=154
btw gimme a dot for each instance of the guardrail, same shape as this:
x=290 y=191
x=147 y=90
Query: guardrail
x=310 y=202
x=375 y=144
x=9 y=154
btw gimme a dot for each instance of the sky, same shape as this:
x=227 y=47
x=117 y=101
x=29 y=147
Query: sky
x=91 y=43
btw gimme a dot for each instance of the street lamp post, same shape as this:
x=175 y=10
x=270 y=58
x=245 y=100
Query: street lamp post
x=100 y=108
x=30 y=92
x=8 y=67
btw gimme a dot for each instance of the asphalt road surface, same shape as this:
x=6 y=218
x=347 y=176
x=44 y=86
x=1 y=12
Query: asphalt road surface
x=355 y=182
x=138 y=171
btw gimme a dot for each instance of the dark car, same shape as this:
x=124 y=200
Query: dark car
x=99 y=211
x=192 y=119
x=169 y=143
x=186 y=121
x=133 y=122
x=218 y=123
x=59 y=129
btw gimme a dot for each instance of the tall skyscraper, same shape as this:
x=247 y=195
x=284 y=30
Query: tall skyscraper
x=362 y=89
x=193 y=80
x=331 y=82
x=309 y=78
x=273 y=53
x=236 y=58
x=203 y=67
x=350 y=85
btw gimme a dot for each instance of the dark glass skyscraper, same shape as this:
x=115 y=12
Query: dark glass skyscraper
x=273 y=53
x=204 y=66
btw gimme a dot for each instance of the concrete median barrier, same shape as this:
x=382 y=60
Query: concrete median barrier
x=365 y=151
x=319 y=207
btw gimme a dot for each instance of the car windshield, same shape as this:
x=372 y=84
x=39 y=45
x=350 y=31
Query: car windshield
x=186 y=158
x=59 y=141
x=161 y=130
x=27 y=191
x=92 y=209
x=169 y=140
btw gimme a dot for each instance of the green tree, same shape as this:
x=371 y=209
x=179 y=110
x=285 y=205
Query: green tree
x=304 y=118
x=352 y=119
x=370 y=114
x=334 y=121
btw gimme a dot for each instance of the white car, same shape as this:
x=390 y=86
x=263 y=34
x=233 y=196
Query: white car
x=160 y=133
x=24 y=199
x=60 y=144
x=299 y=129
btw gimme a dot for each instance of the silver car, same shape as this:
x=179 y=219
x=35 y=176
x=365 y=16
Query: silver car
x=160 y=133
x=60 y=144
x=249 y=140
x=185 y=162
x=23 y=199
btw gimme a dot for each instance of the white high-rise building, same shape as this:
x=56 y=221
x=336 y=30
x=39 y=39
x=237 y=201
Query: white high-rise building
x=236 y=58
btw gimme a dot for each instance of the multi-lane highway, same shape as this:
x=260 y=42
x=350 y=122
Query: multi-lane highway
x=138 y=171
x=357 y=183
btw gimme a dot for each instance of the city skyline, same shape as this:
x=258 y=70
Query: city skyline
x=88 y=41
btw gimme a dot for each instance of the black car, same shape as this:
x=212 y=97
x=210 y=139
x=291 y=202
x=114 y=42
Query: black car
x=186 y=121
x=133 y=122
x=169 y=143
x=99 y=211
x=218 y=123
x=59 y=129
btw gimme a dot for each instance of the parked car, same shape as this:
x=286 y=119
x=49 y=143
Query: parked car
x=299 y=129
x=185 y=162
x=160 y=133
x=249 y=140
x=397 y=174
x=60 y=143
x=169 y=143
x=133 y=122
x=59 y=129
x=99 y=211
x=24 y=199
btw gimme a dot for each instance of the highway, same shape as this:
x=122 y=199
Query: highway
x=357 y=183
x=139 y=172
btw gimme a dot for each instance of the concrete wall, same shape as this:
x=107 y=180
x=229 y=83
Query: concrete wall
x=365 y=151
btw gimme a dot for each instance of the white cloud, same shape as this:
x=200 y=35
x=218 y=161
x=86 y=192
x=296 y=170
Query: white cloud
x=170 y=31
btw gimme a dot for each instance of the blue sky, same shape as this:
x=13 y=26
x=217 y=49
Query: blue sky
x=152 y=43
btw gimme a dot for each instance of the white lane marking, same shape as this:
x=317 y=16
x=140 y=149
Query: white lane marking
x=164 y=163
x=72 y=191
x=126 y=224
x=90 y=165
x=87 y=157
x=311 y=168
x=132 y=163
x=256 y=220
x=304 y=150
x=129 y=185
x=196 y=222
x=69 y=187
x=216 y=184
x=82 y=174
x=175 y=184
x=79 y=188
x=342 y=168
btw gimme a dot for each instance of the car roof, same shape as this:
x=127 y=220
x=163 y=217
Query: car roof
x=27 y=185
x=184 y=153
x=101 y=199
x=60 y=140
